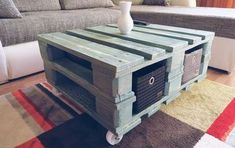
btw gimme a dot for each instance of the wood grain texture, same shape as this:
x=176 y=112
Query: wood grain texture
x=146 y=51
x=169 y=44
x=194 y=32
x=175 y=35
x=76 y=47
x=212 y=74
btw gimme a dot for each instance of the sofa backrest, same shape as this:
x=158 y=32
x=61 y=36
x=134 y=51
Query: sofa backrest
x=37 y=5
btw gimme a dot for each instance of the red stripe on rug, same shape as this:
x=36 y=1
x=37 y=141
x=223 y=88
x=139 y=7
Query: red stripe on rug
x=45 y=123
x=33 y=143
x=224 y=124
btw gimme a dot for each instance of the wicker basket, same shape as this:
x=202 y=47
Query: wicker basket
x=192 y=63
x=148 y=85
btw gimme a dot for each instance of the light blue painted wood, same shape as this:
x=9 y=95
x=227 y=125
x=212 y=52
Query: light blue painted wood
x=110 y=81
x=132 y=59
x=148 y=52
x=194 y=32
x=113 y=63
x=166 y=43
x=175 y=35
x=75 y=68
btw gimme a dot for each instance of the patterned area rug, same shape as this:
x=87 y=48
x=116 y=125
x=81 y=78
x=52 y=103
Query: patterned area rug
x=33 y=117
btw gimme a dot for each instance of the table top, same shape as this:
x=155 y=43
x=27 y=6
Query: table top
x=105 y=45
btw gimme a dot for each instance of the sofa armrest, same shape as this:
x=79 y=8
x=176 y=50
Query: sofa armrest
x=3 y=65
x=187 y=3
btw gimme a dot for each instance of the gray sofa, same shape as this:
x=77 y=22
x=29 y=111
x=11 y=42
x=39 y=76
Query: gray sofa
x=218 y=20
x=26 y=29
x=19 y=50
x=19 y=53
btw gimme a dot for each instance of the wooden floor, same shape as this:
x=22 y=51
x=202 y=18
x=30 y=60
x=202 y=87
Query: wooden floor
x=221 y=77
x=22 y=82
x=213 y=74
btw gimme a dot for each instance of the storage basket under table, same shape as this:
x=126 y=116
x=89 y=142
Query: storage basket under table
x=119 y=79
x=192 y=64
x=148 y=85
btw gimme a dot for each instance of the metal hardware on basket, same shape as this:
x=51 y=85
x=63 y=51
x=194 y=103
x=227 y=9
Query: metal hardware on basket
x=151 y=80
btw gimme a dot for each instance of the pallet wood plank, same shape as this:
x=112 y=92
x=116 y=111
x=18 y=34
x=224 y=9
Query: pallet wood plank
x=53 y=66
x=132 y=59
x=175 y=35
x=166 y=43
x=112 y=63
x=194 y=32
x=75 y=68
x=148 y=52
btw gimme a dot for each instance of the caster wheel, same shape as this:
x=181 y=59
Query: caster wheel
x=113 y=139
x=56 y=92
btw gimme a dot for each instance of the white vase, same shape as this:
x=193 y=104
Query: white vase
x=125 y=22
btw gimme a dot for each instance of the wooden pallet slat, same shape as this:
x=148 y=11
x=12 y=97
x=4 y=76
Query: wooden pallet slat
x=175 y=35
x=166 y=43
x=73 y=76
x=132 y=59
x=148 y=52
x=75 y=68
x=194 y=32
x=114 y=63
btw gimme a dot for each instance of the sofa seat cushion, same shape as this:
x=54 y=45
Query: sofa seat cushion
x=37 y=5
x=219 y=20
x=13 y=31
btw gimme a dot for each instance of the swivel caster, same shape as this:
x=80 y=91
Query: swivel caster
x=56 y=92
x=112 y=138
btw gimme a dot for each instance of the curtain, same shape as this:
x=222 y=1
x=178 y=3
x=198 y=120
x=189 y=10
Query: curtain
x=217 y=3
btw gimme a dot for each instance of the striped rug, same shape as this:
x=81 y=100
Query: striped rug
x=34 y=117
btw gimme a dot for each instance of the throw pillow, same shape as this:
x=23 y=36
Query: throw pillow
x=82 y=4
x=155 y=2
x=134 y=2
x=8 y=9
x=37 y=5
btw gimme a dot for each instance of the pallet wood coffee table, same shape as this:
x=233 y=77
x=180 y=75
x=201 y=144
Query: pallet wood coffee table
x=95 y=67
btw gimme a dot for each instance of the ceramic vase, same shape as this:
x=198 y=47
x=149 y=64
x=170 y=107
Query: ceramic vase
x=125 y=22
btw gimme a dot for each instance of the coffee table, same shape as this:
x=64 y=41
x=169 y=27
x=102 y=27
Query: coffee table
x=119 y=79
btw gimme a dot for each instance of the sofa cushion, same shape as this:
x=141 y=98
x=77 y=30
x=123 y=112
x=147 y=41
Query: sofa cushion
x=219 y=20
x=134 y=2
x=8 y=9
x=15 y=31
x=155 y=2
x=37 y=5
x=80 y=4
